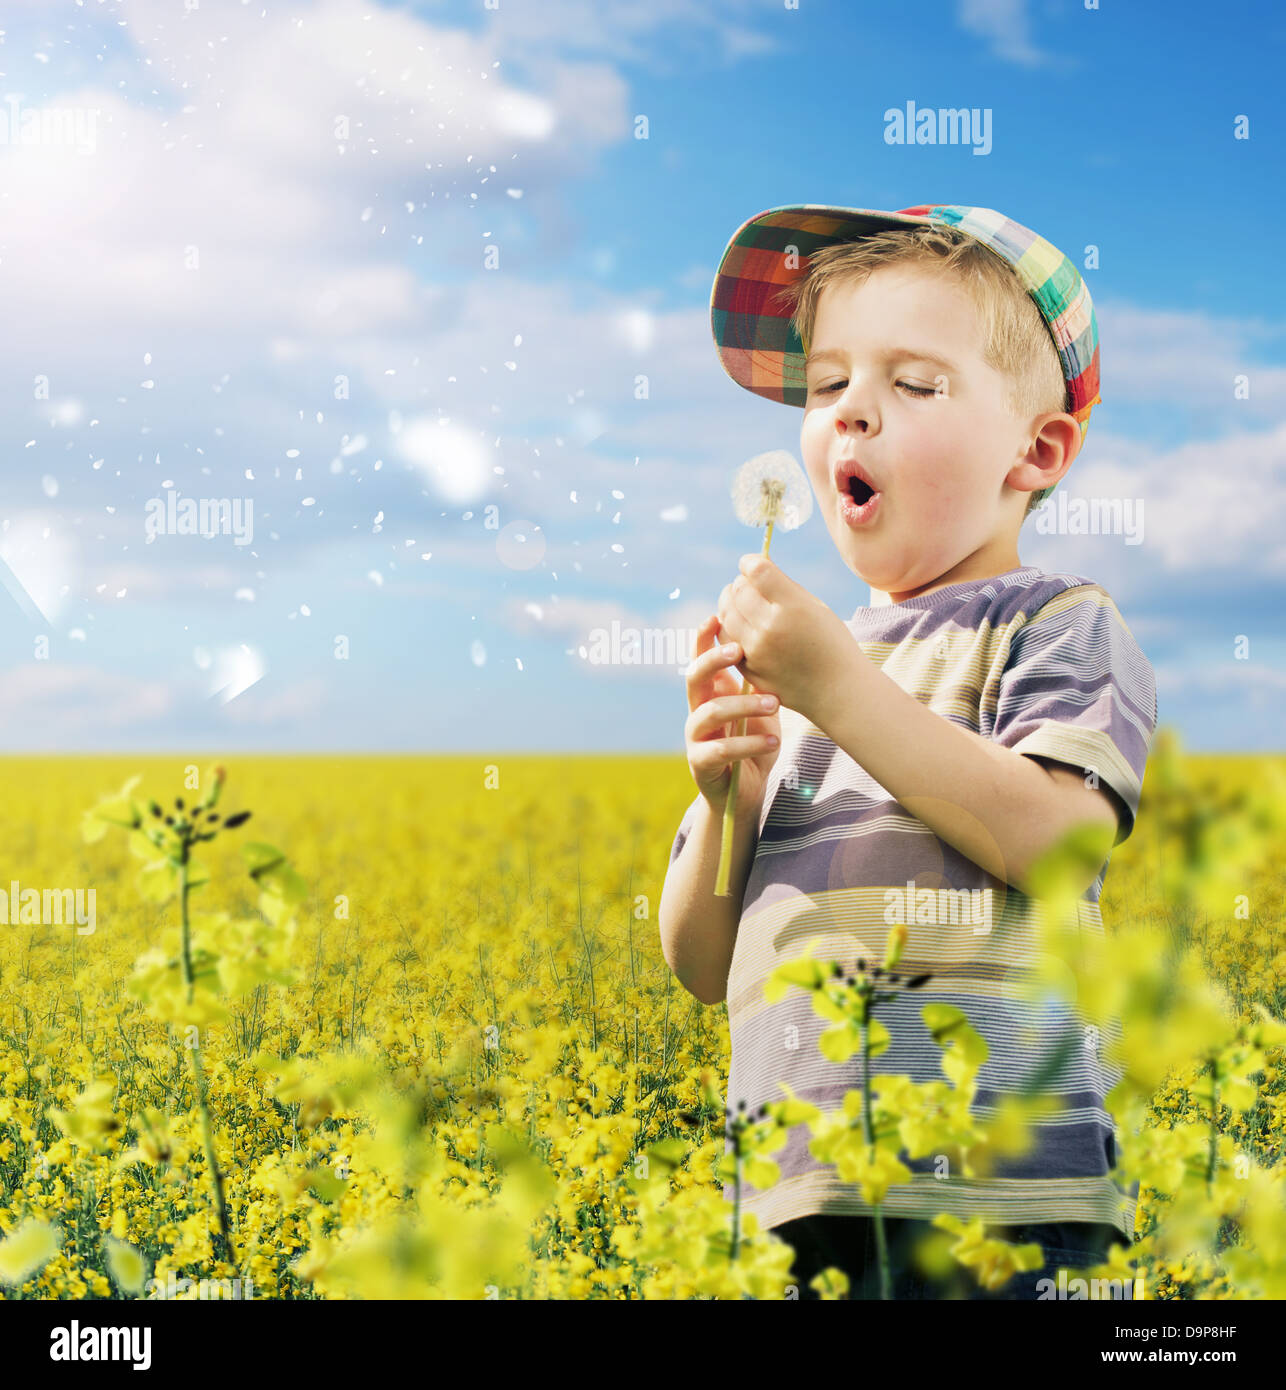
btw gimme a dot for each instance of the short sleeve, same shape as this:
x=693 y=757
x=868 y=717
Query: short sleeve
x=1077 y=688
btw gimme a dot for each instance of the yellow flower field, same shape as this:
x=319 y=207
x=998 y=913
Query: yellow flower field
x=459 y=1066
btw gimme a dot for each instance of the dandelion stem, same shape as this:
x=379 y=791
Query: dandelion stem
x=721 y=889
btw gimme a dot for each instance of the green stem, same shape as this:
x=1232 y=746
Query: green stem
x=223 y=1242
x=724 y=873
x=881 y=1245
x=736 y=1205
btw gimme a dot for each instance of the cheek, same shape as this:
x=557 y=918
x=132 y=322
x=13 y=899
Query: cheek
x=813 y=448
x=942 y=492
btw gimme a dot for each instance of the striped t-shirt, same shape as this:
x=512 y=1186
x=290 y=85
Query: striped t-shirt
x=1040 y=663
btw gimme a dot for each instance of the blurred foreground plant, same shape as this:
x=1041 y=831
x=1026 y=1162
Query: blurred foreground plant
x=206 y=959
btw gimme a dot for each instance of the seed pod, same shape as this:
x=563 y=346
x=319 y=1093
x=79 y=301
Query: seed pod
x=239 y=819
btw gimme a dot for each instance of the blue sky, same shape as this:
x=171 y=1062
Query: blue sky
x=251 y=265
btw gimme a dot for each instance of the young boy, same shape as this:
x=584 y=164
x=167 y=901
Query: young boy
x=946 y=360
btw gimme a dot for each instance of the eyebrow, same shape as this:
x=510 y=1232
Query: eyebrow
x=890 y=354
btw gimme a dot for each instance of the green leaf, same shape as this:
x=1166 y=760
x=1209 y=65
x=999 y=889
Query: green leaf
x=327 y=1186
x=28 y=1250
x=803 y=971
x=668 y=1154
x=113 y=809
x=271 y=871
x=760 y=1171
x=950 y=1027
x=1060 y=876
x=158 y=881
x=879 y=1037
x=125 y=1264
x=838 y=1042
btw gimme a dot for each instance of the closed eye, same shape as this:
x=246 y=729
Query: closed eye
x=914 y=390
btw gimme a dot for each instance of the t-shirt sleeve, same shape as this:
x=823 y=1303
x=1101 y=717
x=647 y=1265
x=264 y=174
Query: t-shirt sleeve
x=1077 y=688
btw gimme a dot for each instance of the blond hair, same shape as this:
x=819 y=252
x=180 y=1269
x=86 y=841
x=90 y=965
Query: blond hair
x=1017 y=341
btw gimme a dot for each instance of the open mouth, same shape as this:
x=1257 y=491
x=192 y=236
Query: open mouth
x=860 y=492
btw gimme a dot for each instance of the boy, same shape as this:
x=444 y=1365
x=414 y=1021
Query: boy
x=946 y=360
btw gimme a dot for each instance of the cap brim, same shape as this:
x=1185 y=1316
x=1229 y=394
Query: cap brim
x=756 y=343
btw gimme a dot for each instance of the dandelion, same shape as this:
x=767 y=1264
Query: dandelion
x=769 y=490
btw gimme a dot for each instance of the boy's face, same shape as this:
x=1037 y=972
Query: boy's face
x=940 y=461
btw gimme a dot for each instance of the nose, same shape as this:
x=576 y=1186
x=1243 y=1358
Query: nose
x=855 y=419
x=854 y=409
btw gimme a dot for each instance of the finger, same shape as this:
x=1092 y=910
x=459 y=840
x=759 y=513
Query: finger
x=706 y=635
x=725 y=605
x=718 y=751
x=749 y=601
x=710 y=661
x=715 y=715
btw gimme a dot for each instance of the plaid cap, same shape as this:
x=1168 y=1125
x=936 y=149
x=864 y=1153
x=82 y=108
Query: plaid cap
x=758 y=345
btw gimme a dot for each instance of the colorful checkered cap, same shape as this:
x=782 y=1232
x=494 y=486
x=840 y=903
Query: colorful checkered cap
x=758 y=345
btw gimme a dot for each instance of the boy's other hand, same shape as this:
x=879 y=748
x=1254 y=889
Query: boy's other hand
x=716 y=707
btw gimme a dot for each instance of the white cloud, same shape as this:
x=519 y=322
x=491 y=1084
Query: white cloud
x=242 y=208
x=1253 y=680
x=663 y=36
x=263 y=706
x=185 y=581
x=1206 y=503
x=1006 y=25
x=602 y=628
x=1186 y=357
x=44 y=699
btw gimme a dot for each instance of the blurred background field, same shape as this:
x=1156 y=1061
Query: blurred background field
x=480 y=1007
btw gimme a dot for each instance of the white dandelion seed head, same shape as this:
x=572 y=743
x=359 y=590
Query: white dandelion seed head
x=772 y=487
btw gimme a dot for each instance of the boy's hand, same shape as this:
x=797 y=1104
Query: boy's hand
x=795 y=647
x=717 y=706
